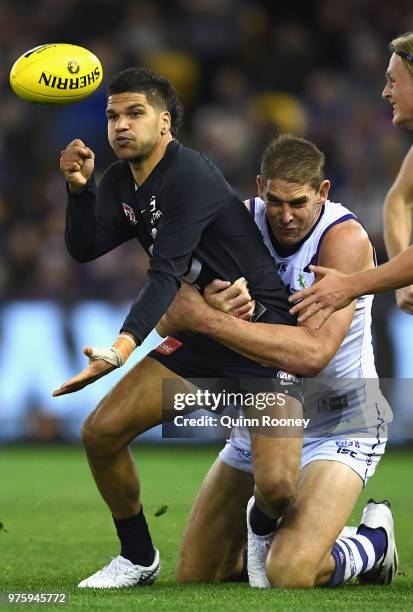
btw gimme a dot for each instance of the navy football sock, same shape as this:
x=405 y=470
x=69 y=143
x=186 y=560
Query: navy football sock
x=135 y=539
x=357 y=554
x=377 y=537
x=261 y=524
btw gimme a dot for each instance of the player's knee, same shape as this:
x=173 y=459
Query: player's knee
x=277 y=490
x=89 y=435
x=185 y=572
x=293 y=569
x=188 y=570
x=98 y=437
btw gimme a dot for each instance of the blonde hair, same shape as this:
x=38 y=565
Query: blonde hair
x=403 y=44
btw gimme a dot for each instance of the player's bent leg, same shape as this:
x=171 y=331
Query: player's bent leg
x=276 y=456
x=132 y=407
x=300 y=555
x=276 y=463
x=215 y=536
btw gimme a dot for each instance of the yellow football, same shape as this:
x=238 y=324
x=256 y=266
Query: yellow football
x=56 y=74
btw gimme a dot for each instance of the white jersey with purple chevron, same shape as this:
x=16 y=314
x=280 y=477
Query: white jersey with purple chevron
x=345 y=400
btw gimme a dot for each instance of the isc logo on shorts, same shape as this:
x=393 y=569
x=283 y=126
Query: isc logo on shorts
x=168 y=346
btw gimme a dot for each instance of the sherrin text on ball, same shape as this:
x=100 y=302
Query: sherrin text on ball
x=56 y=74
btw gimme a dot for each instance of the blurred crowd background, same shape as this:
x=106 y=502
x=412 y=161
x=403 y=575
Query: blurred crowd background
x=247 y=70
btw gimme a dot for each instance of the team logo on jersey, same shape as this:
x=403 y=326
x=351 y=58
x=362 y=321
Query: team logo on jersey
x=300 y=279
x=156 y=214
x=129 y=213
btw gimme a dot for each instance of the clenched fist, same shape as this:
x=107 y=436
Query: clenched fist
x=76 y=164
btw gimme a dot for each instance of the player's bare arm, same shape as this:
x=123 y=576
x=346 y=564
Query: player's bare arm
x=302 y=350
x=77 y=164
x=101 y=362
x=234 y=299
x=398 y=208
x=337 y=290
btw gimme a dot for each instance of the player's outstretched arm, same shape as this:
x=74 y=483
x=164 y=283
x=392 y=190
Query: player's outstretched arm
x=398 y=208
x=101 y=362
x=336 y=290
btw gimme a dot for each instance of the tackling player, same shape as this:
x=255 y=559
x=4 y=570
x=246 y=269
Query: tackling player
x=348 y=431
x=336 y=290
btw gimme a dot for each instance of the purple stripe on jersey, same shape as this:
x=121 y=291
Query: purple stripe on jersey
x=362 y=554
x=252 y=207
x=336 y=222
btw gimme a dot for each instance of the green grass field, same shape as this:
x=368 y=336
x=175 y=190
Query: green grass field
x=56 y=531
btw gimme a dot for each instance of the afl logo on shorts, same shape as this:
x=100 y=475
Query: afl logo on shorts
x=130 y=213
x=168 y=346
x=287 y=378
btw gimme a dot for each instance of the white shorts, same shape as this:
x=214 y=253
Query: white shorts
x=361 y=452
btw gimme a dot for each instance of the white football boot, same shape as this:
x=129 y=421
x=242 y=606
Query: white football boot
x=258 y=547
x=123 y=573
x=375 y=515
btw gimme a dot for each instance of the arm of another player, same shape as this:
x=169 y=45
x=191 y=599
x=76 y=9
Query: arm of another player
x=298 y=349
x=398 y=208
x=345 y=251
x=219 y=294
x=337 y=290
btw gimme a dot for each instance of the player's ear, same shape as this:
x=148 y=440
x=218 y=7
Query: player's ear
x=165 y=120
x=323 y=191
x=260 y=185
